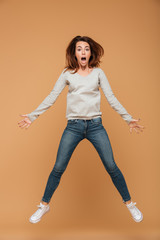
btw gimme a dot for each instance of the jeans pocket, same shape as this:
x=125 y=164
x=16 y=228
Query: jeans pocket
x=96 y=120
x=72 y=121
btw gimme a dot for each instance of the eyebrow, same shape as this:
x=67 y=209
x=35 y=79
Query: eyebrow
x=80 y=46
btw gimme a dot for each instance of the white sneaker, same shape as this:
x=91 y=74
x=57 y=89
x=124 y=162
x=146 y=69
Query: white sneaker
x=135 y=212
x=36 y=217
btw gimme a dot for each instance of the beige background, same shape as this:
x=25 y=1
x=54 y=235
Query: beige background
x=86 y=205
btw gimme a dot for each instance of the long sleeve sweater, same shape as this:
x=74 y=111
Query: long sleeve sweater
x=83 y=97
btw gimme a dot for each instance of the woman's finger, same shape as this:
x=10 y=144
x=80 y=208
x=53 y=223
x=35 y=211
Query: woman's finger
x=135 y=120
x=20 y=121
x=136 y=130
x=140 y=127
x=24 y=125
x=27 y=126
x=21 y=124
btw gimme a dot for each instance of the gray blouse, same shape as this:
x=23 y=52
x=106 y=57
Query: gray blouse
x=83 y=97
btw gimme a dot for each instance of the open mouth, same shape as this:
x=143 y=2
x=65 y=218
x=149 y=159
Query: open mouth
x=83 y=58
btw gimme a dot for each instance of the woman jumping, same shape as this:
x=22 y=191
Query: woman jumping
x=84 y=77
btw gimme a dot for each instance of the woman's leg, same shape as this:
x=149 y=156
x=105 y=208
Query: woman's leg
x=100 y=140
x=68 y=143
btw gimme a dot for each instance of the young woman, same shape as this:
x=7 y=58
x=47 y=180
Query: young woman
x=83 y=76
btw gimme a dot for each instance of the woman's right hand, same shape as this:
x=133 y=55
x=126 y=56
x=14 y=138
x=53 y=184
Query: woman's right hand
x=25 y=123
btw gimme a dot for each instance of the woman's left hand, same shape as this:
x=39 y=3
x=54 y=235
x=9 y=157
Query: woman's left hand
x=134 y=125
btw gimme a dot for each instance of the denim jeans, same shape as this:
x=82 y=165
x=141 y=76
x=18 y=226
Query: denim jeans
x=75 y=131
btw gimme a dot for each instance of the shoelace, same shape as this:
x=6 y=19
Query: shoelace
x=39 y=206
x=134 y=209
x=133 y=204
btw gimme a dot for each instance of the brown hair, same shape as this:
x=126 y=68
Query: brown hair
x=97 y=52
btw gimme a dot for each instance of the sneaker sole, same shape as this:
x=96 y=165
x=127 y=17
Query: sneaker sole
x=39 y=219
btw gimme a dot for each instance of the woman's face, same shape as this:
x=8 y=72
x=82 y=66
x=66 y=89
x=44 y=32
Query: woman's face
x=83 y=53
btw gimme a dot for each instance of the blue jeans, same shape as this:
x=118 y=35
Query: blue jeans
x=75 y=131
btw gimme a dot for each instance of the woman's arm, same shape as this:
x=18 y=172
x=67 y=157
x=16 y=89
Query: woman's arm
x=112 y=100
x=50 y=99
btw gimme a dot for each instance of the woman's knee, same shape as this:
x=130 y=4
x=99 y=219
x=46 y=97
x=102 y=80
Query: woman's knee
x=57 y=172
x=112 y=167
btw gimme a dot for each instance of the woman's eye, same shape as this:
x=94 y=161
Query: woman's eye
x=80 y=49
